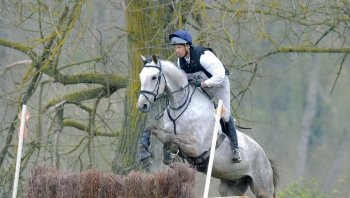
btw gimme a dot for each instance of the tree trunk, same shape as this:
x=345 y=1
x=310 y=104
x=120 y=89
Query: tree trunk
x=310 y=110
x=143 y=37
x=59 y=129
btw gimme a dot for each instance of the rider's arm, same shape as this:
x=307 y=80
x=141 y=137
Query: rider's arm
x=214 y=66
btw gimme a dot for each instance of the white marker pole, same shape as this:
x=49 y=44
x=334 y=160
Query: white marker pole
x=212 y=150
x=19 y=150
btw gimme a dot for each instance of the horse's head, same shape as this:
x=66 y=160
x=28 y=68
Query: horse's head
x=152 y=83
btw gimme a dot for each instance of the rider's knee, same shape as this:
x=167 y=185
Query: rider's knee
x=226 y=117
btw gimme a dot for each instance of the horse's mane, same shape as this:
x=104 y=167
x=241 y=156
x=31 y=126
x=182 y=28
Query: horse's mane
x=149 y=59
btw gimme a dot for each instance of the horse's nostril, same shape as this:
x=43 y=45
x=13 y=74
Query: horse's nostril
x=145 y=106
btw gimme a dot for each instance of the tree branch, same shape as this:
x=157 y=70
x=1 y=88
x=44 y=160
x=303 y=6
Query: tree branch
x=85 y=128
x=313 y=49
x=15 y=64
x=82 y=96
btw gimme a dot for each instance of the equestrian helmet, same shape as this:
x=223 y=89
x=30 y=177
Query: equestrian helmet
x=180 y=37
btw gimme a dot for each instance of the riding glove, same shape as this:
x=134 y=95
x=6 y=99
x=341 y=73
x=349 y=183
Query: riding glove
x=196 y=83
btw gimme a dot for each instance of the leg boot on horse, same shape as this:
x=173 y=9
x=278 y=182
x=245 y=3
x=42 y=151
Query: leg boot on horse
x=232 y=135
x=145 y=155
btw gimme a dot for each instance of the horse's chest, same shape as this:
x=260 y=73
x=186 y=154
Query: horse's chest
x=189 y=127
x=196 y=119
x=177 y=127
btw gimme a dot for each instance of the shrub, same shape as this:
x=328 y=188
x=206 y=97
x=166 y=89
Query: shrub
x=304 y=190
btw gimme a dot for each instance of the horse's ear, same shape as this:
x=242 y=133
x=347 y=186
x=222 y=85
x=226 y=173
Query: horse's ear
x=143 y=59
x=155 y=58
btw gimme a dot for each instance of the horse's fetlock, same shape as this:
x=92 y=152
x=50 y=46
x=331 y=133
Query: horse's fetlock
x=145 y=158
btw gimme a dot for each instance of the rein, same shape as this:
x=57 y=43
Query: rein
x=168 y=94
x=154 y=93
x=169 y=107
x=156 y=88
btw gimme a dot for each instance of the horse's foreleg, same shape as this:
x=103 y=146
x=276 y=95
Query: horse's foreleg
x=161 y=134
x=145 y=155
x=188 y=144
x=170 y=152
x=166 y=154
x=165 y=138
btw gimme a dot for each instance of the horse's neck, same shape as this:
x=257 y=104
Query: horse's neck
x=178 y=97
x=176 y=80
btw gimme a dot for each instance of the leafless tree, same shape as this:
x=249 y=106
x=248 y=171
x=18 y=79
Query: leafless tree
x=75 y=64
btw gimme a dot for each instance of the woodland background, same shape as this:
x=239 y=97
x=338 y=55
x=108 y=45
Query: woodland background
x=76 y=64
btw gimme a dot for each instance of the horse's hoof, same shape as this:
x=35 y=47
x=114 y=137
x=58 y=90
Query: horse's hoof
x=146 y=162
x=145 y=158
x=166 y=156
x=169 y=159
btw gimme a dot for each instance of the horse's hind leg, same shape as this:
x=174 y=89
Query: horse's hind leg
x=231 y=188
x=260 y=190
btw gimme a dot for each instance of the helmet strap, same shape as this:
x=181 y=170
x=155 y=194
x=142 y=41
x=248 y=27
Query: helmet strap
x=186 y=48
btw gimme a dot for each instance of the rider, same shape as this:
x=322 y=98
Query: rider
x=205 y=70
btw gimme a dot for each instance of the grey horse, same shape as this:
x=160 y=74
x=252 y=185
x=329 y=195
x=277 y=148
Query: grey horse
x=189 y=120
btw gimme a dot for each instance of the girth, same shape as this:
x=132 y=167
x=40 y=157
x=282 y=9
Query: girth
x=201 y=162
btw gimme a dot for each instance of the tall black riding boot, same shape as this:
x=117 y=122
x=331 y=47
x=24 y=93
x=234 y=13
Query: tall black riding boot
x=232 y=135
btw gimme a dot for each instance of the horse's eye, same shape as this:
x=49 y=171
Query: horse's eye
x=154 y=77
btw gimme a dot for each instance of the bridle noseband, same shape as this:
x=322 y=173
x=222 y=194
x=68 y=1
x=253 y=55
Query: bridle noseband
x=155 y=91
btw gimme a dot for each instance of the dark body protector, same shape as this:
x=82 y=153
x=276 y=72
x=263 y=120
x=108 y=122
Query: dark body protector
x=194 y=70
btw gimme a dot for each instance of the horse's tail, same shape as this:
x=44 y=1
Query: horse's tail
x=275 y=176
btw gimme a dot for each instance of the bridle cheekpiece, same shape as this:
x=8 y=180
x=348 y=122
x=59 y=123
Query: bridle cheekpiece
x=155 y=91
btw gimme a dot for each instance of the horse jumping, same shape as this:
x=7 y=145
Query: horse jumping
x=188 y=126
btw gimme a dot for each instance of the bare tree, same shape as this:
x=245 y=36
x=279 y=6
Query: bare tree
x=75 y=64
x=145 y=37
x=64 y=72
x=309 y=114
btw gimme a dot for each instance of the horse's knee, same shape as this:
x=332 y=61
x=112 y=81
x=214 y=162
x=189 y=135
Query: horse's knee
x=150 y=127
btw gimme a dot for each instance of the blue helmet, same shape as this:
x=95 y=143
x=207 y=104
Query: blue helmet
x=180 y=37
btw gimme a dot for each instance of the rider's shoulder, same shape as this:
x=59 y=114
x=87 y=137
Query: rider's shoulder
x=200 y=50
x=198 y=47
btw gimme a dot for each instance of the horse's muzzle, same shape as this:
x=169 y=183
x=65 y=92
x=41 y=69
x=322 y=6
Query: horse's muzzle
x=143 y=105
x=144 y=108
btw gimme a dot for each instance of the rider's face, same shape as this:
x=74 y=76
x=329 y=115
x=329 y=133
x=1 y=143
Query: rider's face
x=180 y=50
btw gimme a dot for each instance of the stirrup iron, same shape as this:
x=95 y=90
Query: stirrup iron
x=236 y=156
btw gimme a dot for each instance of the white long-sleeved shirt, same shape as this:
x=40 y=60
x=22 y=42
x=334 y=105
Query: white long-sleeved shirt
x=212 y=65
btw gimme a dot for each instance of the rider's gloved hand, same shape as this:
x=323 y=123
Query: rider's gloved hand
x=196 y=83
